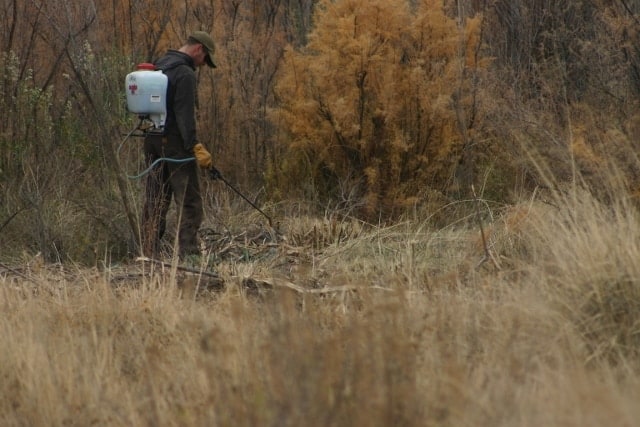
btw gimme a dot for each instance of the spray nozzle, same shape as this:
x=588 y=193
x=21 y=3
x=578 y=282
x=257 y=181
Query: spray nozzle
x=214 y=173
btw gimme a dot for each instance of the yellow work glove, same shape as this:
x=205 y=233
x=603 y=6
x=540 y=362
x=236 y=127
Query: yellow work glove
x=203 y=157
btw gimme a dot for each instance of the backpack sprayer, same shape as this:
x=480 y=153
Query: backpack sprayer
x=147 y=95
x=146 y=90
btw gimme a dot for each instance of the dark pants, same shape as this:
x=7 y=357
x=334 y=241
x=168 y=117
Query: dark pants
x=167 y=180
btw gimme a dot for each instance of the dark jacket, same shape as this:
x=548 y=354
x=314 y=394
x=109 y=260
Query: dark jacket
x=180 y=124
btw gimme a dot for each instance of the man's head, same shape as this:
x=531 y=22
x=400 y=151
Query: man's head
x=201 y=48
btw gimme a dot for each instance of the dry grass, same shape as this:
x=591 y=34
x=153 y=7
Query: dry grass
x=349 y=325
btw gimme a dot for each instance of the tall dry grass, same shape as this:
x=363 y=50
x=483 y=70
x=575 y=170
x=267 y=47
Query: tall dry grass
x=417 y=330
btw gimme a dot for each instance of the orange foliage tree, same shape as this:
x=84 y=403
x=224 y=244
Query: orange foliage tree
x=377 y=107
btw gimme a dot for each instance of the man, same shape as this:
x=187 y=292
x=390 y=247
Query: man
x=177 y=179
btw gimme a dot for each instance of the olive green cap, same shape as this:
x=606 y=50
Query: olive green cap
x=205 y=40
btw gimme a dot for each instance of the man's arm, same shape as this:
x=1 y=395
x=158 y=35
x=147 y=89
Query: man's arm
x=184 y=103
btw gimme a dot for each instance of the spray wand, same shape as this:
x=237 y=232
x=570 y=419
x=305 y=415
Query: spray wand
x=215 y=174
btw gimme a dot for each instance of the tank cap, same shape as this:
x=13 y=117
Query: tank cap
x=146 y=66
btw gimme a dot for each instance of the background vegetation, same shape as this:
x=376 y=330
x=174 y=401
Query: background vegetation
x=454 y=184
x=365 y=107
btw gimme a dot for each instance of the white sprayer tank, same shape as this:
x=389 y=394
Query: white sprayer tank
x=146 y=93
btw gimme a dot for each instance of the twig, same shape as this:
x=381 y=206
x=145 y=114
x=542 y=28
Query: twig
x=18 y=273
x=273 y=282
x=487 y=253
x=179 y=267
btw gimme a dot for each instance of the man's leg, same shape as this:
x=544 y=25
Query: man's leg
x=186 y=188
x=157 y=200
